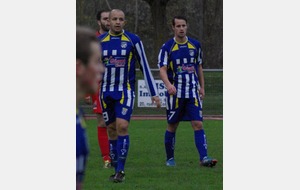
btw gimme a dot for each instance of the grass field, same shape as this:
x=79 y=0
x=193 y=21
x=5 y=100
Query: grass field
x=145 y=166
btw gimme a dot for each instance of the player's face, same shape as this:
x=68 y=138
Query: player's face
x=117 y=22
x=105 y=21
x=180 y=28
x=93 y=71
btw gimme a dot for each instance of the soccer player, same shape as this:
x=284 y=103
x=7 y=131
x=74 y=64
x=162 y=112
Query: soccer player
x=121 y=50
x=88 y=75
x=102 y=20
x=180 y=63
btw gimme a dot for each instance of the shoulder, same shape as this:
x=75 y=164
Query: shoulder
x=170 y=43
x=195 y=42
x=102 y=36
x=133 y=37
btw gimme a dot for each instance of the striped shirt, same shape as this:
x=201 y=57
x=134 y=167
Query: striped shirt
x=182 y=61
x=119 y=55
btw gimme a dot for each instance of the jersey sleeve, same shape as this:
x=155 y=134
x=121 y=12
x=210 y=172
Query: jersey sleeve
x=163 y=57
x=200 y=54
x=142 y=59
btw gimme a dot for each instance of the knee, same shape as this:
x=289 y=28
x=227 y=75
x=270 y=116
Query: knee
x=101 y=122
x=112 y=132
x=197 y=125
x=172 y=127
x=122 y=129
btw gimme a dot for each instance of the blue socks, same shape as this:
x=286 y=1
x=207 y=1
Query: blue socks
x=169 y=144
x=200 y=141
x=122 y=149
x=113 y=153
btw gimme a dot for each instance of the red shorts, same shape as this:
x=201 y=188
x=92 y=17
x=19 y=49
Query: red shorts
x=96 y=103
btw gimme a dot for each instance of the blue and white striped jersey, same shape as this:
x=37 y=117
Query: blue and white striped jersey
x=182 y=61
x=119 y=55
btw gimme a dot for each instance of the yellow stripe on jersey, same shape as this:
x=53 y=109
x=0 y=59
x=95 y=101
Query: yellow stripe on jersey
x=175 y=47
x=122 y=99
x=172 y=66
x=106 y=39
x=103 y=103
x=176 y=105
x=196 y=102
x=129 y=61
x=124 y=38
x=128 y=85
x=191 y=46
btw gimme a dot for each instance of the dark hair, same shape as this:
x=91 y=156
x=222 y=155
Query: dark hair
x=178 y=17
x=98 y=15
x=84 y=37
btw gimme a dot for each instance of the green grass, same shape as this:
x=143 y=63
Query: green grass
x=145 y=166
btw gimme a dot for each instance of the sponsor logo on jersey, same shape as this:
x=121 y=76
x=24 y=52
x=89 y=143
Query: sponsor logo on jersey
x=123 y=44
x=114 y=61
x=186 y=69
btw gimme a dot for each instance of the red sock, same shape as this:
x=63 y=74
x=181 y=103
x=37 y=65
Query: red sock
x=103 y=142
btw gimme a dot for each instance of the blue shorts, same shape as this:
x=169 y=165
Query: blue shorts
x=117 y=105
x=183 y=109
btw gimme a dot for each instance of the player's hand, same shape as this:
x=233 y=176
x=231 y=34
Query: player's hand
x=202 y=93
x=171 y=90
x=88 y=100
x=156 y=100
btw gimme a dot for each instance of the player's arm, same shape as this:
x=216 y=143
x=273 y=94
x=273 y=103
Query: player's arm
x=201 y=81
x=163 y=63
x=149 y=80
x=200 y=73
x=88 y=99
x=164 y=77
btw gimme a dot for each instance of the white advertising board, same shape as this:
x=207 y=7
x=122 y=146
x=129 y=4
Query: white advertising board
x=144 y=98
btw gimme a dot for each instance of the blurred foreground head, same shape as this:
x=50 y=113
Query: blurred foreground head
x=89 y=68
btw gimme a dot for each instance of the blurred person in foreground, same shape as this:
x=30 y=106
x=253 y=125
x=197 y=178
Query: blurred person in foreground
x=103 y=142
x=89 y=70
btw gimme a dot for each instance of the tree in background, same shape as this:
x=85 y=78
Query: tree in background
x=150 y=19
x=159 y=19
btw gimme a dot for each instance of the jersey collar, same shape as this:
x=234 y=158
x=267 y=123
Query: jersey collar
x=115 y=34
x=187 y=39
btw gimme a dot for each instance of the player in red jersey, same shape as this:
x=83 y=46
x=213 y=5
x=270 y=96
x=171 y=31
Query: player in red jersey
x=103 y=22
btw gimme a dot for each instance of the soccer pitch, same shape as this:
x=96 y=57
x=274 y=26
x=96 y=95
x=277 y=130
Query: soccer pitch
x=145 y=166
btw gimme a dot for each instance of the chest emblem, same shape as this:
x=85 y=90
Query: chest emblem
x=123 y=44
x=192 y=53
